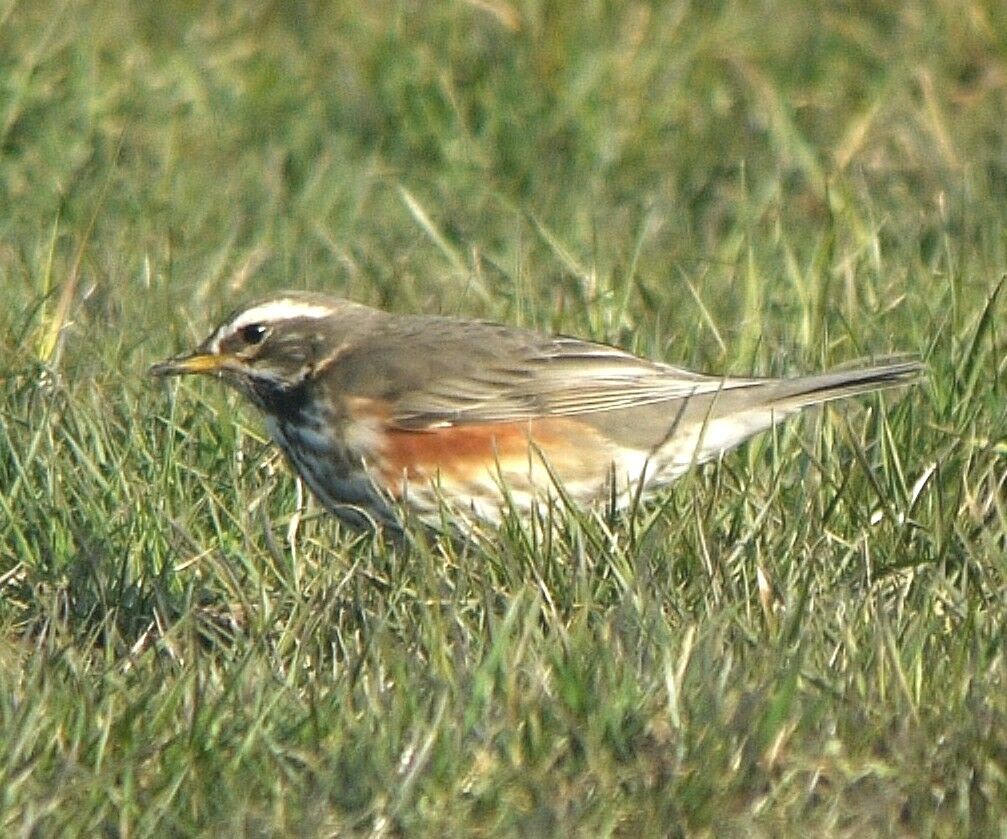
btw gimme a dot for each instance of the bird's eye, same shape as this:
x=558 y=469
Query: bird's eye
x=252 y=334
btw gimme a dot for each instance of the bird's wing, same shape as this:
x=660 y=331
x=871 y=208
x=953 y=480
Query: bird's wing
x=551 y=377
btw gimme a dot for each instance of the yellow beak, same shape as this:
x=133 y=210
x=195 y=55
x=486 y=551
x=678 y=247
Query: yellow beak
x=195 y=362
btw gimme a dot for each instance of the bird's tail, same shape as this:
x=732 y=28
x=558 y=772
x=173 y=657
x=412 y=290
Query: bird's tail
x=804 y=391
x=704 y=427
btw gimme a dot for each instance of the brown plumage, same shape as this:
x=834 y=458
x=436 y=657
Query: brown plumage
x=373 y=408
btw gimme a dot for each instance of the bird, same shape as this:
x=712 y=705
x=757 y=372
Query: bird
x=385 y=416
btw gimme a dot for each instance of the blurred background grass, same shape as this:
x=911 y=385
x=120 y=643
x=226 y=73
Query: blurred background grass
x=769 y=187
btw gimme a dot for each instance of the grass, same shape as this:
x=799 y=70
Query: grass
x=807 y=637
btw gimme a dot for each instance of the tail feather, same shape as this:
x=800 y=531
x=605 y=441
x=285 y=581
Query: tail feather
x=810 y=390
x=721 y=421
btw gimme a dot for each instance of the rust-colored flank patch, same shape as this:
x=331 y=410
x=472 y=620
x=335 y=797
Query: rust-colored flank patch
x=571 y=449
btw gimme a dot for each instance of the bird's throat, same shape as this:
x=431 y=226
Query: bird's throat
x=287 y=404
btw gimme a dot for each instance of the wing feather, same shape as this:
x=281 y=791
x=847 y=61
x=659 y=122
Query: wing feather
x=556 y=377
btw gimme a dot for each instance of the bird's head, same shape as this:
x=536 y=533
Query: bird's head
x=274 y=345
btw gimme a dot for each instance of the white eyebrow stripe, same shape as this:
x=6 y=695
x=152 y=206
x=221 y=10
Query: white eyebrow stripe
x=275 y=310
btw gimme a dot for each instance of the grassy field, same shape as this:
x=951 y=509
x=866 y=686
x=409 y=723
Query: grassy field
x=807 y=638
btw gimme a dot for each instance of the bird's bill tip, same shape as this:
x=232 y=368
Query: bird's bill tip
x=182 y=365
